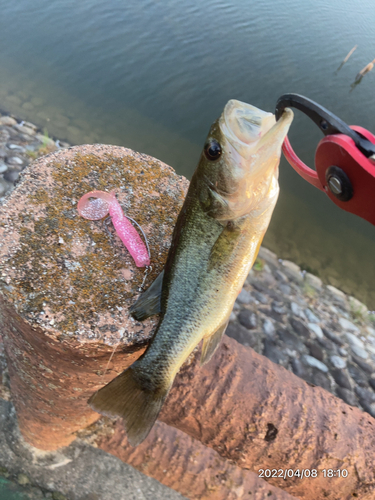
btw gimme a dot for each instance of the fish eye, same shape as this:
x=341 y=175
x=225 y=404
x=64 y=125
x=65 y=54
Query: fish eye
x=212 y=150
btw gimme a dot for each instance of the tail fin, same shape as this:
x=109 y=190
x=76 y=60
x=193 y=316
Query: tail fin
x=125 y=397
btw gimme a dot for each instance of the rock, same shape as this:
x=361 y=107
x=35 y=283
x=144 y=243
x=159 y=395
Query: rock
x=260 y=297
x=264 y=288
x=248 y=319
x=8 y=120
x=348 y=325
x=280 y=276
x=357 y=375
x=11 y=176
x=3 y=167
x=272 y=352
x=30 y=125
x=316 y=352
x=357 y=307
x=337 y=362
x=333 y=309
x=370 y=348
x=333 y=326
x=315 y=329
x=14 y=160
x=342 y=379
x=332 y=336
x=366 y=367
x=311 y=316
x=23 y=479
x=268 y=256
x=279 y=307
x=369 y=407
x=3 y=188
x=343 y=352
x=328 y=345
x=244 y=336
x=24 y=130
x=245 y=297
x=372 y=383
x=353 y=340
x=297 y=310
x=17 y=148
x=358 y=351
x=271 y=314
x=313 y=281
x=364 y=394
x=336 y=293
x=266 y=277
x=299 y=368
x=290 y=339
x=35 y=493
x=347 y=395
x=310 y=361
x=292 y=271
x=268 y=328
x=300 y=328
x=322 y=380
x=285 y=289
x=237 y=332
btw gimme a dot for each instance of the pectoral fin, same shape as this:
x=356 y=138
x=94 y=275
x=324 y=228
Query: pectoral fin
x=149 y=303
x=211 y=343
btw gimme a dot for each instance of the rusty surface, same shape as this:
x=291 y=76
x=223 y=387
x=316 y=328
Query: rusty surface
x=261 y=416
x=187 y=466
x=65 y=285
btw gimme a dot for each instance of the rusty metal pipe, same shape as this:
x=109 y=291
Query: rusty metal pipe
x=261 y=416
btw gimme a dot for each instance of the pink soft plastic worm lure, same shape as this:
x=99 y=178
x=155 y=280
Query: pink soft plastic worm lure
x=104 y=203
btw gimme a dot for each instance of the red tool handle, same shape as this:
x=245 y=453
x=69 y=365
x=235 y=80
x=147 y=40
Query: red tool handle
x=301 y=168
x=338 y=153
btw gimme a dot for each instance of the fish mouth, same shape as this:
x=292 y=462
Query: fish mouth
x=244 y=125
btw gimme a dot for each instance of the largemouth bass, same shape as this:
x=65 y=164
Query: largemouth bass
x=215 y=242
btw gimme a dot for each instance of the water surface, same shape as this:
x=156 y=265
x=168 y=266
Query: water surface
x=154 y=75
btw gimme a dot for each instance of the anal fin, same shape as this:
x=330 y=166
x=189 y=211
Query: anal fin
x=149 y=303
x=211 y=343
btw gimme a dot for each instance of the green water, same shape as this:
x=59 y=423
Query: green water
x=11 y=491
x=153 y=76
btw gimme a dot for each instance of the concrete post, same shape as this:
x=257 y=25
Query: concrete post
x=65 y=285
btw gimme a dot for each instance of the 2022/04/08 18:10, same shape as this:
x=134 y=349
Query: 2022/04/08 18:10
x=302 y=473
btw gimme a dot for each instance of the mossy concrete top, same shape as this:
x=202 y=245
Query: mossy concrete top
x=68 y=275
